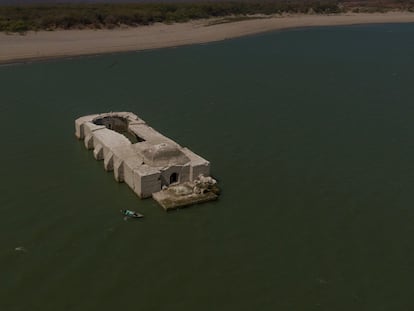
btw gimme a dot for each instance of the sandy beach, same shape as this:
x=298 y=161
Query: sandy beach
x=64 y=43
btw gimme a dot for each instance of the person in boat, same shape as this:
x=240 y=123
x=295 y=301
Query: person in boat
x=129 y=213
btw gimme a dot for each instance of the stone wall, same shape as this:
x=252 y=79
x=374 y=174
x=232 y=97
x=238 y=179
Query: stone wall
x=145 y=166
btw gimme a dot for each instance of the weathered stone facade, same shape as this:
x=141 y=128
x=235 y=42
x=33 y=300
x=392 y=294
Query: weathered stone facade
x=137 y=154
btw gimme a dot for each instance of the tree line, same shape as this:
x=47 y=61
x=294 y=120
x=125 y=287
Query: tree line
x=101 y=15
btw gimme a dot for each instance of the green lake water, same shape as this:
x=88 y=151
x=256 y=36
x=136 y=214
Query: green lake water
x=310 y=133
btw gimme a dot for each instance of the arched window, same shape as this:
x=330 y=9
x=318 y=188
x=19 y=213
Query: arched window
x=173 y=178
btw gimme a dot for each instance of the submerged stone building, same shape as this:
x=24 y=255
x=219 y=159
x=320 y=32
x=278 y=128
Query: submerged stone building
x=146 y=160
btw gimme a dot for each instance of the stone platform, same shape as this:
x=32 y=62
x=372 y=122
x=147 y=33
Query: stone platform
x=201 y=190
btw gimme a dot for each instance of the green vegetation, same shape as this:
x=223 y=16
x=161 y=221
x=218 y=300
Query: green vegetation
x=374 y=6
x=65 y=16
x=71 y=16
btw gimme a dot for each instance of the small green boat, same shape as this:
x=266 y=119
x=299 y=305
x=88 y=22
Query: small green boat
x=131 y=214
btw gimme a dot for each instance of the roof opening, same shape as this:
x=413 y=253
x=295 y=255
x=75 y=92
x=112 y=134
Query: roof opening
x=119 y=125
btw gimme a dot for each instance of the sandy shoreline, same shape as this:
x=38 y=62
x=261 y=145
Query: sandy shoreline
x=64 y=43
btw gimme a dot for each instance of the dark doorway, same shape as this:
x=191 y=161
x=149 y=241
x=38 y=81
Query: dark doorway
x=173 y=178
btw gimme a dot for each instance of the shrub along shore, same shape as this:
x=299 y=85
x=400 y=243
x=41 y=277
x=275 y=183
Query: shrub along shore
x=95 y=16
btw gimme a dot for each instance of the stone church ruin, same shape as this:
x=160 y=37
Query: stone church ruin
x=147 y=161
